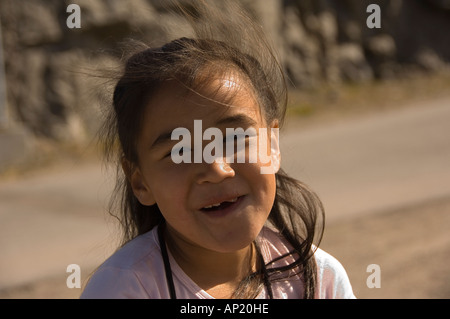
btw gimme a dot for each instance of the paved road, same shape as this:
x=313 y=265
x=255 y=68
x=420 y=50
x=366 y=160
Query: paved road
x=376 y=163
x=51 y=220
x=57 y=217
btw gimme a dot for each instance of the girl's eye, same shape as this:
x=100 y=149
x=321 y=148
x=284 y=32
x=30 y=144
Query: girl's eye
x=168 y=154
x=234 y=138
x=235 y=143
x=179 y=151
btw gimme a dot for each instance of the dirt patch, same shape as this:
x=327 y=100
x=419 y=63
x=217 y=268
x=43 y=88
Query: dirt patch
x=411 y=246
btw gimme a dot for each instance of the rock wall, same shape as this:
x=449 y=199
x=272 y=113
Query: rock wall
x=319 y=41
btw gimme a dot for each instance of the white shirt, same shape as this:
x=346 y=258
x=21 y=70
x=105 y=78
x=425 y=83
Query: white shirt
x=137 y=271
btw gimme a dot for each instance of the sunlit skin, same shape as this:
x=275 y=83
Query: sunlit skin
x=212 y=247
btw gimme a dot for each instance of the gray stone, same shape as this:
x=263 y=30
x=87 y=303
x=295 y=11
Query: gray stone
x=317 y=41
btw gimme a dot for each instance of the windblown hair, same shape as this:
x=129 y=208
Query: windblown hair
x=221 y=41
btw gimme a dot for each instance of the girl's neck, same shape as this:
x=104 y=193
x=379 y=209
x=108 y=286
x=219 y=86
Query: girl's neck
x=217 y=273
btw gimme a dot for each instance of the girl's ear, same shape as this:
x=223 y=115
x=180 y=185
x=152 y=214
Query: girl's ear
x=140 y=189
x=275 y=146
x=275 y=153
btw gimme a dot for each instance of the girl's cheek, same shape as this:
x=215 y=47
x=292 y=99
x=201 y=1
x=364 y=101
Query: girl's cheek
x=171 y=169
x=168 y=176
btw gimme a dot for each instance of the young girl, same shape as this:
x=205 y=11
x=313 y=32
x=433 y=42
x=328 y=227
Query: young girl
x=202 y=229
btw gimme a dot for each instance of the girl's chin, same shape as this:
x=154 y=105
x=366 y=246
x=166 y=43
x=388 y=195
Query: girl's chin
x=228 y=242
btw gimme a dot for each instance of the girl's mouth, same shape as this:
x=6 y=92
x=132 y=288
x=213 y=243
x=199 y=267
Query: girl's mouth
x=221 y=205
x=222 y=208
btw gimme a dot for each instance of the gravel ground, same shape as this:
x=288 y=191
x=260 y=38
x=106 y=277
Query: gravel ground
x=411 y=245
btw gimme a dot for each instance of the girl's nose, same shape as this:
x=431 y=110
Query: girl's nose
x=214 y=172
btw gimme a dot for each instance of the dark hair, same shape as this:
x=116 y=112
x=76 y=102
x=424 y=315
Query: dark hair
x=296 y=211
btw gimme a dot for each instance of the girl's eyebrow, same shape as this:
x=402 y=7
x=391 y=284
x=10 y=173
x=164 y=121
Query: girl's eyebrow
x=237 y=120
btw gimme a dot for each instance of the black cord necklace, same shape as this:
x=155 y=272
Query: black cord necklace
x=168 y=269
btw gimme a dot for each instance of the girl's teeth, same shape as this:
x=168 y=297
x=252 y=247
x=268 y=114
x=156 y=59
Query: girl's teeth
x=218 y=204
x=213 y=205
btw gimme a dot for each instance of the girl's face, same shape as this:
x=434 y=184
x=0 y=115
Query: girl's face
x=185 y=192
